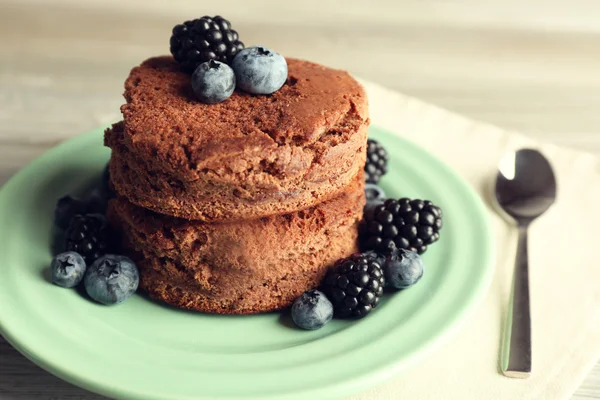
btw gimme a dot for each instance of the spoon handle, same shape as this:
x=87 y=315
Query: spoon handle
x=519 y=357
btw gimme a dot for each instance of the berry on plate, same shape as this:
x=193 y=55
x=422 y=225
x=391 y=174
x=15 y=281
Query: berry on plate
x=87 y=235
x=94 y=202
x=312 y=310
x=213 y=82
x=259 y=70
x=111 y=279
x=68 y=269
x=377 y=159
x=203 y=39
x=374 y=194
x=354 y=285
x=401 y=224
x=402 y=268
x=66 y=208
x=378 y=257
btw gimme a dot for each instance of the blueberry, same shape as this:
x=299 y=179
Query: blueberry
x=312 y=310
x=374 y=193
x=66 y=208
x=68 y=269
x=375 y=196
x=259 y=70
x=213 y=82
x=403 y=268
x=111 y=279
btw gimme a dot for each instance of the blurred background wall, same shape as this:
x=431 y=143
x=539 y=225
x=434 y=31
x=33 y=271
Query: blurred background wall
x=527 y=65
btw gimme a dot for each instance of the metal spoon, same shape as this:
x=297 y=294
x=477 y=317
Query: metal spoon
x=525 y=189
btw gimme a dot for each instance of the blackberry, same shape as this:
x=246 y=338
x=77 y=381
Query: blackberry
x=378 y=257
x=203 y=39
x=377 y=159
x=88 y=235
x=401 y=224
x=354 y=286
x=66 y=208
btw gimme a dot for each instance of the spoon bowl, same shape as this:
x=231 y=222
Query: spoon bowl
x=525 y=185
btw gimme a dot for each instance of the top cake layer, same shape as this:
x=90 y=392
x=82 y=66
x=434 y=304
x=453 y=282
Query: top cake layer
x=249 y=156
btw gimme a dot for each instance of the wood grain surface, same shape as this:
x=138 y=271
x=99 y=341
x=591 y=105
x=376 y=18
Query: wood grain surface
x=527 y=66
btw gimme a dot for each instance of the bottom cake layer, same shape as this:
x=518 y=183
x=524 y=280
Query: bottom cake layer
x=245 y=267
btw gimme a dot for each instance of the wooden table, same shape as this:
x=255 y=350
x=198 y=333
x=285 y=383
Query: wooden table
x=532 y=67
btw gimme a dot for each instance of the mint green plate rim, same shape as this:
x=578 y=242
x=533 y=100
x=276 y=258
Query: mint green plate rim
x=143 y=350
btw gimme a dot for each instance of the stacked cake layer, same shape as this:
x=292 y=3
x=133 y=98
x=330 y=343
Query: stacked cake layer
x=240 y=206
x=243 y=267
x=249 y=156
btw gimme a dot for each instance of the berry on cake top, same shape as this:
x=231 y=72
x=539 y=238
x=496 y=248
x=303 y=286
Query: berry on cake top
x=203 y=39
x=206 y=45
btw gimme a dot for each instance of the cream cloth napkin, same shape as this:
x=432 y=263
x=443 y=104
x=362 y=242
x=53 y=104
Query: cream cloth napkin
x=564 y=250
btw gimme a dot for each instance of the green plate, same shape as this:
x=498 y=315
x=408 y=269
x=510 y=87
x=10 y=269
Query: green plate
x=144 y=350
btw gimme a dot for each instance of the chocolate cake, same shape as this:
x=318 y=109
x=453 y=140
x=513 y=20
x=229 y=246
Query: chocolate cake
x=247 y=157
x=241 y=206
